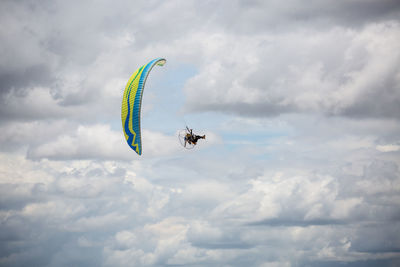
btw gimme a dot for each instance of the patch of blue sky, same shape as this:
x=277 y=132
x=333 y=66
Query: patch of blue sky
x=163 y=97
x=244 y=132
x=256 y=137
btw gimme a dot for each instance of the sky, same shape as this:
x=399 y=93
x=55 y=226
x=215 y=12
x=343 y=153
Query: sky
x=299 y=102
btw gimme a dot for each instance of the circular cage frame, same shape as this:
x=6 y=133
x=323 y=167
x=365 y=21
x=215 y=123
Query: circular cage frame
x=181 y=136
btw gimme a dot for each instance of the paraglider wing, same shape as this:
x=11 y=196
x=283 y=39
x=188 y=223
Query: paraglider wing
x=132 y=102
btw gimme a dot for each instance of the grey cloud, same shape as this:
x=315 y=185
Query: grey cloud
x=289 y=222
x=360 y=263
x=223 y=244
x=45 y=45
x=38 y=75
x=17 y=196
x=62 y=50
x=381 y=234
x=339 y=73
x=255 y=16
x=383 y=102
x=25 y=62
x=87 y=203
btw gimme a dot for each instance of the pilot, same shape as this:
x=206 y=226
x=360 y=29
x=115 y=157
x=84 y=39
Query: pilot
x=193 y=138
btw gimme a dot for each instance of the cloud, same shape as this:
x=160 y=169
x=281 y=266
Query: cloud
x=100 y=142
x=24 y=61
x=292 y=72
x=280 y=72
x=122 y=212
x=86 y=142
x=388 y=148
x=257 y=16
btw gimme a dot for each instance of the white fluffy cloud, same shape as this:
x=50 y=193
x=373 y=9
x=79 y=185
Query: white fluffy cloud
x=100 y=142
x=337 y=72
x=122 y=212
